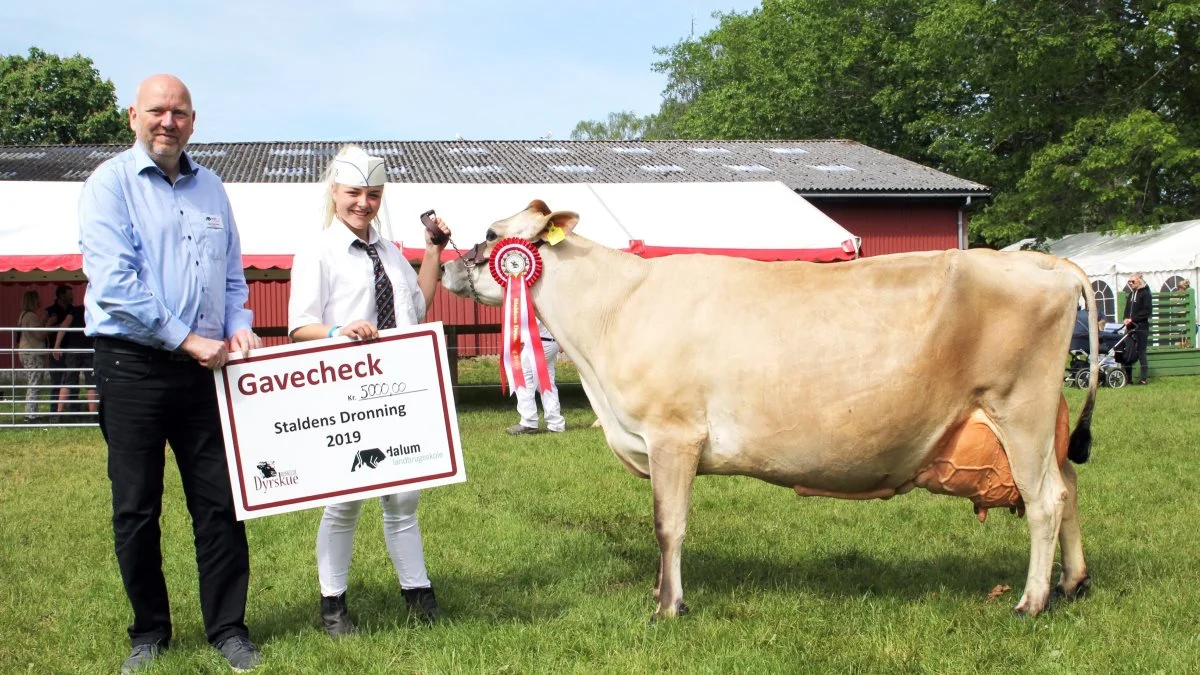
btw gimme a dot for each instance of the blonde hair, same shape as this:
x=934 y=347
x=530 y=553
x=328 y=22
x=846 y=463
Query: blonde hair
x=31 y=302
x=330 y=209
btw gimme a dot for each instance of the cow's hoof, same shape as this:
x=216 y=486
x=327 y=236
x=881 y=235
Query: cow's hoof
x=1030 y=609
x=1081 y=589
x=680 y=610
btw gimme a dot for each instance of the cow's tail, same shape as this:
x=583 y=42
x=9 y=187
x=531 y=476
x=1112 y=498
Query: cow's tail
x=1080 y=447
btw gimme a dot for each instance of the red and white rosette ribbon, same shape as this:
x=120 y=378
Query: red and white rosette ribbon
x=516 y=265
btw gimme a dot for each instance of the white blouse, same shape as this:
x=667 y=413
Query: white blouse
x=333 y=281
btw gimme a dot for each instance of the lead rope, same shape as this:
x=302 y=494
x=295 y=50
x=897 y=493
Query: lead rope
x=469 y=264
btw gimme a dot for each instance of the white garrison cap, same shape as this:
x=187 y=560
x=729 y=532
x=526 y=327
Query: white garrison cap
x=359 y=169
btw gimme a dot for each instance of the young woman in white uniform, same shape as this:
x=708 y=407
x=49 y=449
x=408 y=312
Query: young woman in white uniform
x=352 y=282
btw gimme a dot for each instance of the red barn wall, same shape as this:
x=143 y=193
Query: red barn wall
x=897 y=226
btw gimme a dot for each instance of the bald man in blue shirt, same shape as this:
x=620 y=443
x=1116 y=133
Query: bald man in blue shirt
x=165 y=291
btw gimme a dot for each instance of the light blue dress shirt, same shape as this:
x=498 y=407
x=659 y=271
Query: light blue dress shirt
x=161 y=260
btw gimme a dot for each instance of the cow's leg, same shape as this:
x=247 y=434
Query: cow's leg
x=1074 y=580
x=1041 y=485
x=672 y=471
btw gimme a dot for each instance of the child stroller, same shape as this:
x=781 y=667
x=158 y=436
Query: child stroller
x=1112 y=370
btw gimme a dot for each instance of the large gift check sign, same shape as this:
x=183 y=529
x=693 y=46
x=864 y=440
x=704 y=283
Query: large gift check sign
x=337 y=420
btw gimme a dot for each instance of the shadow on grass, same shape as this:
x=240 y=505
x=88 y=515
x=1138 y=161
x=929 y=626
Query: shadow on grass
x=849 y=572
x=531 y=593
x=855 y=573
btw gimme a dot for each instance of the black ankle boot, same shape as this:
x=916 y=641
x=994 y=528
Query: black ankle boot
x=335 y=617
x=422 y=604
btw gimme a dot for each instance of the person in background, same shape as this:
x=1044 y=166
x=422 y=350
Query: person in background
x=1138 y=307
x=77 y=362
x=33 y=363
x=166 y=289
x=526 y=405
x=1109 y=334
x=58 y=315
x=353 y=283
x=1079 y=336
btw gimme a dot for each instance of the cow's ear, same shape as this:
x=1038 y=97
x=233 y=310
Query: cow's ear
x=558 y=225
x=539 y=206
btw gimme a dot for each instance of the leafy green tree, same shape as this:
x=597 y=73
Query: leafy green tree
x=620 y=126
x=1079 y=114
x=1075 y=112
x=790 y=69
x=46 y=99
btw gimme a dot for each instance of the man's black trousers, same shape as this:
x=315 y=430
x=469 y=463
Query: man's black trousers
x=149 y=398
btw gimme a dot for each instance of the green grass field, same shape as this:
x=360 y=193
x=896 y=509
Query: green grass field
x=545 y=557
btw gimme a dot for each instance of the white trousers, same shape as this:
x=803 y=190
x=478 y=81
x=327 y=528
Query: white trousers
x=550 y=405
x=401 y=533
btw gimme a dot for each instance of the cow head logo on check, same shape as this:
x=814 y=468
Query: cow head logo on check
x=369 y=458
x=267 y=469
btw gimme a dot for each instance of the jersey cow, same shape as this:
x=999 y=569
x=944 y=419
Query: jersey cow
x=858 y=380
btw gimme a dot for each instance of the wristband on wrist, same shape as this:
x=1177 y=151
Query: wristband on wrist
x=333 y=331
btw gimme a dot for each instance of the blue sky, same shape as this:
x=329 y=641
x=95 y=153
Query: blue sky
x=355 y=69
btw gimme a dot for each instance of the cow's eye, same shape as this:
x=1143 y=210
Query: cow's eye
x=491 y=235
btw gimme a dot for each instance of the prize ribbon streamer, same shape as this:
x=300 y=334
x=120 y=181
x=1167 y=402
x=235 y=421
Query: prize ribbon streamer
x=516 y=265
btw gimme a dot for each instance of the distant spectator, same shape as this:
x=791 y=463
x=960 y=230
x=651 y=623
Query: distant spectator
x=1110 y=335
x=1138 y=308
x=526 y=404
x=1079 y=337
x=33 y=363
x=58 y=315
x=79 y=364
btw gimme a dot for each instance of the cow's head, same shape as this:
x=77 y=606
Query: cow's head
x=469 y=276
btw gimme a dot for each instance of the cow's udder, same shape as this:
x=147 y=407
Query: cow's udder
x=971 y=463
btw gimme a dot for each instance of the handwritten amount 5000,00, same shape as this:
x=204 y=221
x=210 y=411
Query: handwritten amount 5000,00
x=381 y=390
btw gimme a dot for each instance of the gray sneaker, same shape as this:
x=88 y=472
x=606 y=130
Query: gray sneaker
x=240 y=652
x=141 y=657
x=520 y=430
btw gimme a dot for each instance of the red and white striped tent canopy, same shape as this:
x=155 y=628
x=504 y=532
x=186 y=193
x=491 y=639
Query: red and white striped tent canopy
x=759 y=220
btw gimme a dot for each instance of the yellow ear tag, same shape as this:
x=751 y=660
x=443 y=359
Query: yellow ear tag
x=554 y=234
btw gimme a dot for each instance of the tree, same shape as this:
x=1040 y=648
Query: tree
x=619 y=126
x=1079 y=114
x=46 y=99
x=790 y=69
x=1076 y=112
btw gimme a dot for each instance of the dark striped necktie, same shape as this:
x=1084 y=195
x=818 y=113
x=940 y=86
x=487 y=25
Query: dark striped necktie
x=385 y=304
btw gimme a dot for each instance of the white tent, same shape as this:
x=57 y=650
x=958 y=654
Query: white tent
x=1163 y=256
x=765 y=221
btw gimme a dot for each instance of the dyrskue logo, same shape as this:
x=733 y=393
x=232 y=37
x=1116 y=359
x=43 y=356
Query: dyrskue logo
x=270 y=478
x=370 y=458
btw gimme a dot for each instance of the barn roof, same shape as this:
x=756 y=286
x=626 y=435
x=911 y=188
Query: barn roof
x=816 y=167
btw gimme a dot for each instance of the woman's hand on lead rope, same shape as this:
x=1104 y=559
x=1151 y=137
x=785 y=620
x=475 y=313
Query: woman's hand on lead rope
x=441 y=225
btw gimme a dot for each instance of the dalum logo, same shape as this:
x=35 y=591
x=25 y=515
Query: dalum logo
x=369 y=458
